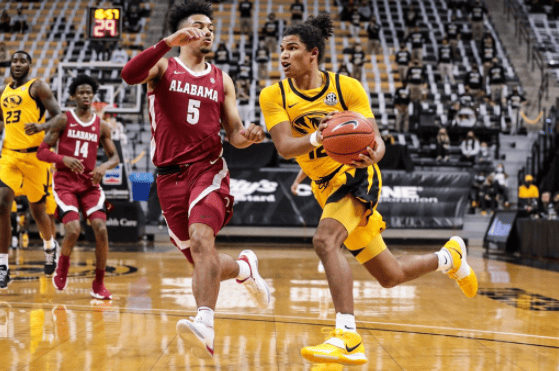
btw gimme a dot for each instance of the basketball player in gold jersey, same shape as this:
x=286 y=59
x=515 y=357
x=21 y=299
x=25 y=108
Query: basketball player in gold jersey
x=24 y=103
x=296 y=110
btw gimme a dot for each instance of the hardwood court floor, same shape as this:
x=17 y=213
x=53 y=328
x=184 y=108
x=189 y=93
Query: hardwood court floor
x=428 y=324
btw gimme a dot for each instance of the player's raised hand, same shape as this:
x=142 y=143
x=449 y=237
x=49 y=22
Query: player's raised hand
x=32 y=128
x=254 y=133
x=73 y=164
x=184 y=36
x=98 y=173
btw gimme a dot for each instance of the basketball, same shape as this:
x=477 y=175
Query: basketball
x=348 y=134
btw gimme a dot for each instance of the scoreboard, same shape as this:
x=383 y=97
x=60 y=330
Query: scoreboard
x=104 y=23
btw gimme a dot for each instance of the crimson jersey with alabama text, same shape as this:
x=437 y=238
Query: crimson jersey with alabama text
x=80 y=140
x=185 y=111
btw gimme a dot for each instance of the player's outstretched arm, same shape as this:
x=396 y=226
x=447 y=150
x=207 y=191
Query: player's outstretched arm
x=41 y=90
x=239 y=136
x=110 y=151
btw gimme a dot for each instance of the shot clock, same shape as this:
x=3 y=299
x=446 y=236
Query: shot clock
x=104 y=23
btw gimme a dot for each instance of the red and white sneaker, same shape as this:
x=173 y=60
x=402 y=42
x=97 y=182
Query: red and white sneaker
x=256 y=286
x=60 y=277
x=99 y=291
x=197 y=336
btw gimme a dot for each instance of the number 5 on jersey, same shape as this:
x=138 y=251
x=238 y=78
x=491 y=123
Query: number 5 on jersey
x=81 y=149
x=193 y=114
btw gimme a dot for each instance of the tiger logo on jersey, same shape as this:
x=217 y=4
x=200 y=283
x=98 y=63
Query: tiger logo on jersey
x=11 y=101
x=308 y=122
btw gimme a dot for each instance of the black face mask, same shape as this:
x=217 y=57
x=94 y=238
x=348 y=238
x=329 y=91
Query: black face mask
x=528 y=184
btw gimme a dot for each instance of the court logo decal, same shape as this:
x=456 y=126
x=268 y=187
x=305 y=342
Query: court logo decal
x=34 y=269
x=521 y=299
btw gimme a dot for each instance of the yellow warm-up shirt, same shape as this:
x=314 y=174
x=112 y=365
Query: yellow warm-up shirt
x=304 y=109
x=18 y=109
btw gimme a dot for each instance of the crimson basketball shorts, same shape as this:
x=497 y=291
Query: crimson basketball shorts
x=73 y=193
x=197 y=193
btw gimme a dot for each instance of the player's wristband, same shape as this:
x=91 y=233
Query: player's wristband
x=313 y=139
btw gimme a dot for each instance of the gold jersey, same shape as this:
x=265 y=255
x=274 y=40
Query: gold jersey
x=20 y=108
x=304 y=109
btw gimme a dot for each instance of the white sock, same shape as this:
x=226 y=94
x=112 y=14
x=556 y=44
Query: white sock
x=47 y=245
x=4 y=259
x=445 y=260
x=244 y=270
x=346 y=322
x=206 y=316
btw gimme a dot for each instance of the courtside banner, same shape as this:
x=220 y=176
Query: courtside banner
x=409 y=200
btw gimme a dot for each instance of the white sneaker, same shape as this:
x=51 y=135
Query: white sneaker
x=197 y=336
x=255 y=285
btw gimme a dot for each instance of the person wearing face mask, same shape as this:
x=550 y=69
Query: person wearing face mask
x=488 y=199
x=470 y=147
x=528 y=195
x=485 y=155
x=500 y=179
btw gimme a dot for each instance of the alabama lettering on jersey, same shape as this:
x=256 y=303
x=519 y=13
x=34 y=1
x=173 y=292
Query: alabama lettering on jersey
x=80 y=140
x=185 y=113
x=304 y=110
x=18 y=109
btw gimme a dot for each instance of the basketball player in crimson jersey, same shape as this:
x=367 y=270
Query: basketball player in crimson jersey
x=189 y=101
x=78 y=133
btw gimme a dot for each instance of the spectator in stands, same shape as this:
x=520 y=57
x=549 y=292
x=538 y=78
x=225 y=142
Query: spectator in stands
x=411 y=18
x=500 y=178
x=453 y=34
x=485 y=156
x=474 y=81
x=401 y=105
x=343 y=70
x=270 y=30
x=221 y=57
x=364 y=10
x=469 y=148
x=19 y=22
x=446 y=62
x=242 y=86
x=355 y=24
x=497 y=81
x=357 y=61
x=348 y=8
x=528 y=195
x=235 y=61
x=488 y=199
x=416 y=81
x=5 y=22
x=132 y=19
x=101 y=50
x=403 y=58
x=373 y=36
x=245 y=10
x=549 y=206
x=488 y=51
x=4 y=56
x=515 y=102
x=119 y=55
x=245 y=69
x=477 y=16
x=297 y=10
x=442 y=149
x=417 y=40
x=476 y=189
x=262 y=57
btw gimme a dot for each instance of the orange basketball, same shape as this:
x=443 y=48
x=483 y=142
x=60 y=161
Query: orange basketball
x=348 y=134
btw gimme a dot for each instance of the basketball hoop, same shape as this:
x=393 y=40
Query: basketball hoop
x=99 y=108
